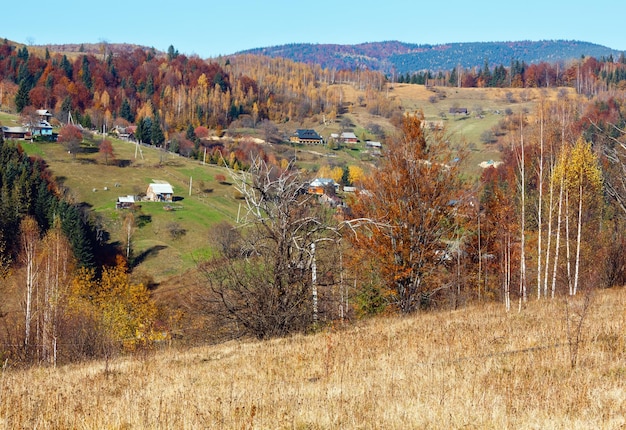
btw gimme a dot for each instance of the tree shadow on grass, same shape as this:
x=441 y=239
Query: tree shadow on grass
x=150 y=252
x=89 y=149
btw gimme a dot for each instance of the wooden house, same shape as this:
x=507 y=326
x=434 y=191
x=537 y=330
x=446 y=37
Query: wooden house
x=306 y=136
x=16 y=133
x=161 y=192
x=319 y=186
x=125 y=202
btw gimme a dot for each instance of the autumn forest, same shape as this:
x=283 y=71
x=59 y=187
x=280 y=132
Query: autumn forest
x=418 y=233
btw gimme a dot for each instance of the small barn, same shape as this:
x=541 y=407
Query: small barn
x=373 y=144
x=459 y=111
x=125 y=202
x=16 y=133
x=160 y=192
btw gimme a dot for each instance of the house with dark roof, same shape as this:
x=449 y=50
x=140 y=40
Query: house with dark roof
x=307 y=136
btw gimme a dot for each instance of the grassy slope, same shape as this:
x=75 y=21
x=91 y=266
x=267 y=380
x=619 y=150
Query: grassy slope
x=472 y=368
x=469 y=128
x=209 y=203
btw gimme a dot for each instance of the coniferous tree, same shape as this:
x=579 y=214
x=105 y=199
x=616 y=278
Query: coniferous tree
x=156 y=133
x=67 y=67
x=87 y=79
x=126 y=112
x=22 y=97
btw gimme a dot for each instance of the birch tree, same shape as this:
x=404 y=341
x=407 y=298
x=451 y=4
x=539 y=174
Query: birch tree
x=584 y=178
x=57 y=268
x=29 y=256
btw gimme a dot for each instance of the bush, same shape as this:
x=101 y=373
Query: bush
x=175 y=230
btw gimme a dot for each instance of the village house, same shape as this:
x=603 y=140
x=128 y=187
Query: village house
x=306 y=136
x=373 y=144
x=35 y=127
x=124 y=133
x=16 y=133
x=125 y=202
x=44 y=115
x=41 y=127
x=319 y=186
x=345 y=137
x=160 y=192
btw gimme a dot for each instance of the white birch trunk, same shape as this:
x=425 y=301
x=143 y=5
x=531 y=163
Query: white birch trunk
x=522 y=285
x=567 y=244
x=314 y=282
x=539 y=209
x=557 y=245
x=578 y=235
x=549 y=235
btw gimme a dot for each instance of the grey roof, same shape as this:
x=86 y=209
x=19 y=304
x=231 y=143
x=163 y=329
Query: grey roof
x=322 y=182
x=161 y=188
x=126 y=199
x=14 y=129
x=307 y=133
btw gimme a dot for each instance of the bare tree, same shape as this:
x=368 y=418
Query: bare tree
x=263 y=284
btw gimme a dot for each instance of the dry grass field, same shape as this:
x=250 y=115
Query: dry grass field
x=473 y=368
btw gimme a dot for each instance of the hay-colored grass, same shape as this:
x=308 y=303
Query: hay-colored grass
x=477 y=368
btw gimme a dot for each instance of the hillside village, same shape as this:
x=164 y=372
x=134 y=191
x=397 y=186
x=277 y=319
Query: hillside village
x=216 y=209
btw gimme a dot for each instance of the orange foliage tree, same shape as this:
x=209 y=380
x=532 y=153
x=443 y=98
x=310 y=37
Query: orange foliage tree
x=413 y=200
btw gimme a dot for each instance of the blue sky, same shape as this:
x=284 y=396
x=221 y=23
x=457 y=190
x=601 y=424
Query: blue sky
x=210 y=29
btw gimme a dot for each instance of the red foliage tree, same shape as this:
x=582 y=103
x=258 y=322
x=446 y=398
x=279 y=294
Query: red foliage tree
x=71 y=136
x=106 y=151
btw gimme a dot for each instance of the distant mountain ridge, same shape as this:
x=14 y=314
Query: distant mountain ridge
x=97 y=48
x=400 y=57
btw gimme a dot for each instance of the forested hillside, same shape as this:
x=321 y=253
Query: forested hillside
x=396 y=57
x=182 y=91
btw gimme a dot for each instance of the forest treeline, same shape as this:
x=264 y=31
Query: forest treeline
x=589 y=76
x=398 y=58
x=183 y=91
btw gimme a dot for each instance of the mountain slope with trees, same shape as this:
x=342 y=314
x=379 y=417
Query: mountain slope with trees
x=397 y=57
x=546 y=223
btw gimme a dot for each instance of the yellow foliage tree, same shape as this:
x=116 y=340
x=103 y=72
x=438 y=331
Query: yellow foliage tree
x=334 y=173
x=124 y=311
x=355 y=174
